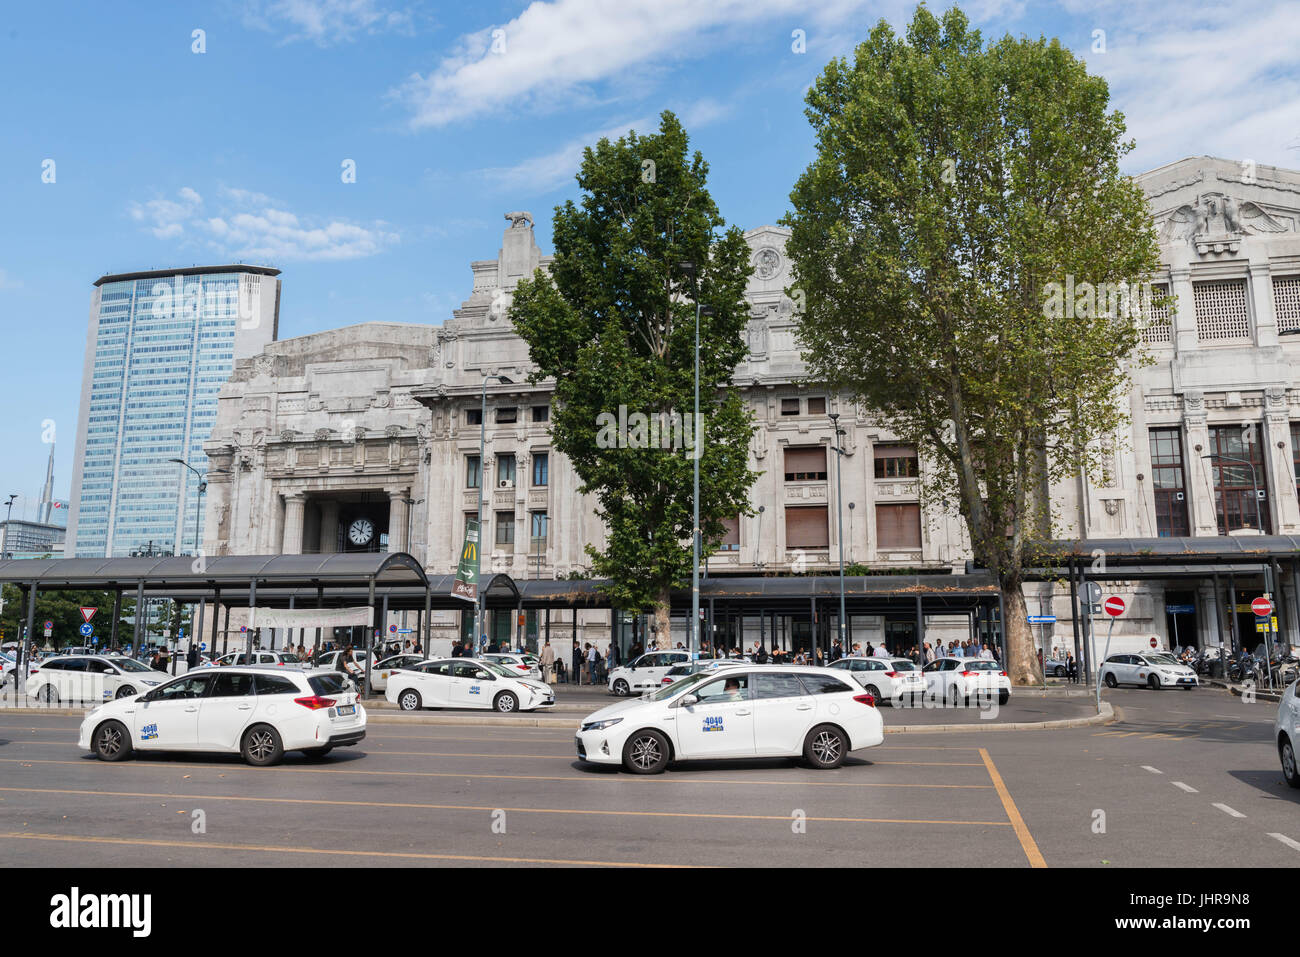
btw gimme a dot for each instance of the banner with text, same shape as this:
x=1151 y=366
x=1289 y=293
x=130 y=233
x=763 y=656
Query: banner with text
x=466 y=585
x=311 y=617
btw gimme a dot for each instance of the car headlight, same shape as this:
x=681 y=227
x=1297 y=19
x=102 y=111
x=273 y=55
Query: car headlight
x=150 y=682
x=601 y=725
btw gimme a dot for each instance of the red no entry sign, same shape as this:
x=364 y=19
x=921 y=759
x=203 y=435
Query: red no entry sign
x=1113 y=606
x=1262 y=607
x=1153 y=642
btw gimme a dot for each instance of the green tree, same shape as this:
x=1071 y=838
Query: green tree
x=953 y=185
x=63 y=608
x=614 y=326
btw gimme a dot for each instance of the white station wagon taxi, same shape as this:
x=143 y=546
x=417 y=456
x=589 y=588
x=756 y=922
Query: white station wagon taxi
x=740 y=712
x=259 y=712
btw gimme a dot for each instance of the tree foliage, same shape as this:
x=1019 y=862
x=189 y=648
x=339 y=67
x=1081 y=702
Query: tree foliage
x=953 y=183
x=614 y=325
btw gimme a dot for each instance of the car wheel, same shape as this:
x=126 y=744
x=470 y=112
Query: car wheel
x=112 y=742
x=825 y=747
x=874 y=692
x=262 y=746
x=621 y=689
x=124 y=692
x=1289 y=771
x=1004 y=697
x=1153 y=683
x=49 y=695
x=1110 y=680
x=409 y=700
x=505 y=702
x=646 y=752
x=1059 y=672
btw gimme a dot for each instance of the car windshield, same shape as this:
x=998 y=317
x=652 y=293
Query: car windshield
x=677 y=687
x=291 y=659
x=903 y=664
x=126 y=664
x=1163 y=659
x=982 y=666
x=496 y=669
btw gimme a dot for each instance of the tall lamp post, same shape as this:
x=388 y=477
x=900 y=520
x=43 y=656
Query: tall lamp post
x=690 y=269
x=410 y=507
x=482 y=478
x=9 y=511
x=839 y=509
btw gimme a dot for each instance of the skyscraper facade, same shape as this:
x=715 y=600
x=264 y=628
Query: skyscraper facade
x=158 y=348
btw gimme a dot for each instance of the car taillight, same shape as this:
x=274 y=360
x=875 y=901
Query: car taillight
x=868 y=699
x=970 y=674
x=315 y=702
x=1002 y=673
x=523 y=667
x=891 y=674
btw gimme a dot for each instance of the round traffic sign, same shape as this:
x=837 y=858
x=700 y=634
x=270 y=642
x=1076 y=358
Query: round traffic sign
x=1113 y=606
x=49 y=625
x=1153 y=642
x=392 y=629
x=243 y=628
x=1262 y=607
x=203 y=646
x=86 y=630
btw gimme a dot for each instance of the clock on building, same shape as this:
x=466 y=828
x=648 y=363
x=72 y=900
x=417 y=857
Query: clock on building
x=361 y=531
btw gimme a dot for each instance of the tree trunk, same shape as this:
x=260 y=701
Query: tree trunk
x=1022 y=663
x=663 y=619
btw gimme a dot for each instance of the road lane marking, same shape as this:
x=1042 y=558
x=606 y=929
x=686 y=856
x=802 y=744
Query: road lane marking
x=1013 y=813
x=1294 y=845
x=469 y=775
x=1147 y=767
x=1186 y=787
x=193 y=845
x=489 y=808
x=1229 y=811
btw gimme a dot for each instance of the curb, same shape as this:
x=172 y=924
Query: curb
x=1273 y=696
x=1107 y=716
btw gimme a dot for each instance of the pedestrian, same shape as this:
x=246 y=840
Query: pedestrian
x=871 y=651
x=593 y=659
x=547 y=661
x=577 y=663
x=417 y=650
x=1072 y=669
x=836 y=651
x=192 y=657
x=882 y=651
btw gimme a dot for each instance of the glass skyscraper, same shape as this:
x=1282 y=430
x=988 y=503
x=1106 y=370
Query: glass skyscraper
x=159 y=347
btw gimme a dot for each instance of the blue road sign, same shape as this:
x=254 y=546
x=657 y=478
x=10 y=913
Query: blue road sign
x=94 y=640
x=1042 y=619
x=1180 y=609
x=203 y=646
x=86 y=630
x=392 y=629
x=406 y=631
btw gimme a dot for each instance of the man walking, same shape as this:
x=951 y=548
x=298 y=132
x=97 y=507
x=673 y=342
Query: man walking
x=576 y=671
x=547 y=661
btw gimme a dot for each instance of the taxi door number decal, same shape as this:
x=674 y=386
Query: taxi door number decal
x=149 y=732
x=713 y=723
x=475 y=689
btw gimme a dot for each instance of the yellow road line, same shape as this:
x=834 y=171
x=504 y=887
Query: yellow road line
x=196 y=845
x=489 y=809
x=1017 y=822
x=467 y=775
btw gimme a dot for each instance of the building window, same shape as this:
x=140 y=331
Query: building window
x=1286 y=295
x=541 y=468
x=1221 y=312
x=789 y=406
x=1295 y=454
x=1159 y=327
x=1234 y=492
x=474 y=416
x=895 y=461
x=806 y=527
x=805 y=463
x=538 y=526
x=817 y=405
x=541 y=413
x=507 y=415
x=472 y=471
x=505 y=470
x=898 y=526
x=505 y=528
x=1168 y=483
x=731 y=536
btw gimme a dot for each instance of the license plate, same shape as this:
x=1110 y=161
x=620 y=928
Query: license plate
x=348 y=709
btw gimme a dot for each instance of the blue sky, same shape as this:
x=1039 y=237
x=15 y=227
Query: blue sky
x=165 y=157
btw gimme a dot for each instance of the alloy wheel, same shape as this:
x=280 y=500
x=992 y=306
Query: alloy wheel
x=110 y=741
x=826 y=747
x=645 y=752
x=261 y=744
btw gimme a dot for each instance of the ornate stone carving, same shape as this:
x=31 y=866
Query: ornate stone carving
x=1112 y=505
x=393 y=431
x=756 y=338
x=1275 y=399
x=322 y=435
x=1194 y=401
x=286 y=435
x=380 y=401
x=767 y=263
x=520 y=219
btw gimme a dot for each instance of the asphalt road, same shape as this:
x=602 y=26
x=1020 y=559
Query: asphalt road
x=414 y=795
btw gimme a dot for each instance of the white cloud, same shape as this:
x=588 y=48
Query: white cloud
x=553 y=50
x=541 y=174
x=325 y=22
x=252 y=225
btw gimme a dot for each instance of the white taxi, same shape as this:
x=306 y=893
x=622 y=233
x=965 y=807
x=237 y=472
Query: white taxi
x=889 y=679
x=741 y=712
x=255 y=711
x=90 y=679
x=645 y=672
x=1155 y=670
x=384 y=669
x=465 y=683
x=961 y=679
x=1286 y=732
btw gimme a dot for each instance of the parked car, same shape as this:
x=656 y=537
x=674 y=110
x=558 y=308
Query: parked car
x=743 y=712
x=466 y=683
x=1286 y=732
x=80 y=679
x=960 y=679
x=516 y=662
x=279 y=659
x=1056 y=667
x=645 y=672
x=383 y=669
x=259 y=712
x=1156 y=670
x=889 y=679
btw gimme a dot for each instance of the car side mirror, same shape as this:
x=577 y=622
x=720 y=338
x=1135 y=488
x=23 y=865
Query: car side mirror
x=688 y=700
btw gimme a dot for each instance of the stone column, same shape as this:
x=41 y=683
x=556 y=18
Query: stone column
x=1203 y=516
x=1184 y=317
x=295 y=505
x=1278 y=471
x=329 y=526
x=397 y=512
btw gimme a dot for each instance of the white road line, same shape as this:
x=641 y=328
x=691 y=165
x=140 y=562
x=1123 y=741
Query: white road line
x=1294 y=845
x=1186 y=787
x=1229 y=811
x=1147 y=767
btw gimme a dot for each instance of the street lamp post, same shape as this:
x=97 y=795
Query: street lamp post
x=690 y=269
x=482 y=478
x=839 y=508
x=4 y=544
x=410 y=507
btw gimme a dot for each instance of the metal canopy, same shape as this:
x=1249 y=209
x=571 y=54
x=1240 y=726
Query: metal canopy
x=174 y=574
x=1230 y=549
